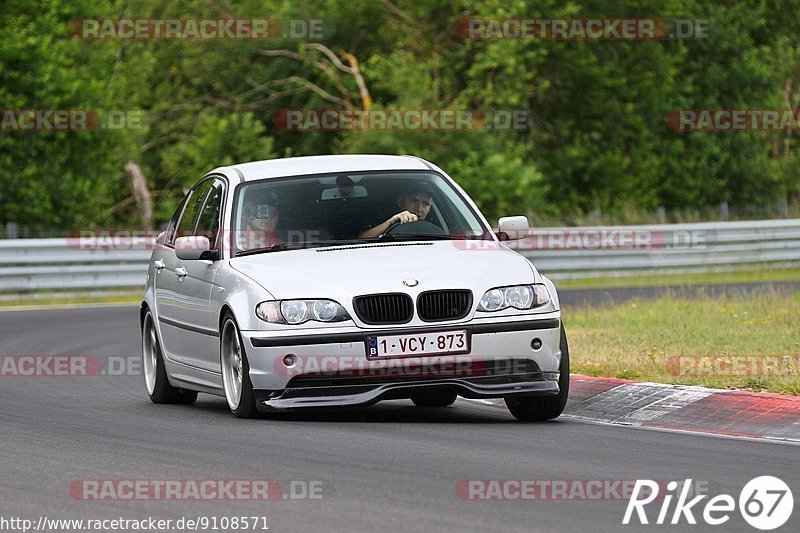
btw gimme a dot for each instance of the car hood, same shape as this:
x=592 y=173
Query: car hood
x=342 y=272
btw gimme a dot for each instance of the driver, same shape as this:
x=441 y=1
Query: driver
x=415 y=204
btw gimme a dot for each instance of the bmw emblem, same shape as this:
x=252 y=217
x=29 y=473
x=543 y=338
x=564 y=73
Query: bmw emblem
x=410 y=282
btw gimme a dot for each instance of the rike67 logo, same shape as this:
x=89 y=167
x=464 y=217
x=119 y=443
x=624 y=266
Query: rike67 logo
x=765 y=503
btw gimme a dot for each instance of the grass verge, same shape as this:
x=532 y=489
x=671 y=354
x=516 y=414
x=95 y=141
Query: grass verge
x=741 y=276
x=659 y=340
x=45 y=299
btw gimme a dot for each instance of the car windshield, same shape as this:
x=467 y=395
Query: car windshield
x=289 y=213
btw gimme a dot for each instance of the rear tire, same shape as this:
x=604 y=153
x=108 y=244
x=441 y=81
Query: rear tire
x=155 y=375
x=434 y=400
x=236 y=371
x=541 y=408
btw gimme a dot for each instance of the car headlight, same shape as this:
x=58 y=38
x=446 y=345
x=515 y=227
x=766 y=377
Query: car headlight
x=299 y=311
x=324 y=310
x=518 y=296
x=294 y=311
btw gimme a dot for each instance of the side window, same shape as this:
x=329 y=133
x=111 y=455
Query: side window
x=208 y=221
x=173 y=223
x=194 y=204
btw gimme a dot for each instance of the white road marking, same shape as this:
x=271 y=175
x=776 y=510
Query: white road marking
x=587 y=420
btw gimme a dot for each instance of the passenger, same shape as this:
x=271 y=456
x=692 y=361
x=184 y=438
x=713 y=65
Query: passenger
x=260 y=216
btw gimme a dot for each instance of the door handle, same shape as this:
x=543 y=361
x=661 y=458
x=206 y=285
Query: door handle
x=158 y=264
x=181 y=272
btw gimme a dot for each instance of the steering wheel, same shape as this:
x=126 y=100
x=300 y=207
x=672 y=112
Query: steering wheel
x=418 y=226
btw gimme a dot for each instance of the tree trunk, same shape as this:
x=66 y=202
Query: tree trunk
x=141 y=194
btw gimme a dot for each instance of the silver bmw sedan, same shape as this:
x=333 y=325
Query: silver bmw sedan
x=334 y=281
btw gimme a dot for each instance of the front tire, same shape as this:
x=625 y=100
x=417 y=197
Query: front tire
x=155 y=374
x=541 y=408
x=236 y=371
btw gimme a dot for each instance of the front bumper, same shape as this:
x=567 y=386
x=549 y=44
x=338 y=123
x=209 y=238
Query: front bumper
x=333 y=370
x=347 y=396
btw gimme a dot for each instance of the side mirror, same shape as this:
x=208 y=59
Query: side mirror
x=192 y=248
x=514 y=227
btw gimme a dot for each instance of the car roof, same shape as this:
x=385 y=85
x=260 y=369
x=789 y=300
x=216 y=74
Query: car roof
x=325 y=164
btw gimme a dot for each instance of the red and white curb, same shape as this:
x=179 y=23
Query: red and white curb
x=685 y=408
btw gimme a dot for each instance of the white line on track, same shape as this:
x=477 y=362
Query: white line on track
x=585 y=420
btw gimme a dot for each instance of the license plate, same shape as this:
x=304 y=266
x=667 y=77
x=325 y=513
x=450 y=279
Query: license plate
x=428 y=343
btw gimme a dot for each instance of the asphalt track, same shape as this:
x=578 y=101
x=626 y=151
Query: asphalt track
x=390 y=467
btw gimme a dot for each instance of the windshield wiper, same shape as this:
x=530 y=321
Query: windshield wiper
x=274 y=248
x=280 y=246
x=338 y=242
x=425 y=236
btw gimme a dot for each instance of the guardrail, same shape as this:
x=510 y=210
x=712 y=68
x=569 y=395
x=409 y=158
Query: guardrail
x=559 y=253
x=668 y=249
x=55 y=264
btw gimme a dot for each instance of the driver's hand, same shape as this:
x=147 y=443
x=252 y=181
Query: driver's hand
x=402 y=218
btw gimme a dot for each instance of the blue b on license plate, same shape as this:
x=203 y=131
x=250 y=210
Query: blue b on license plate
x=427 y=343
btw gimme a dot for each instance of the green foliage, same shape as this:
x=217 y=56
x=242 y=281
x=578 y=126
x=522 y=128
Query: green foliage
x=599 y=138
x=219 y=141
x=51 y=178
